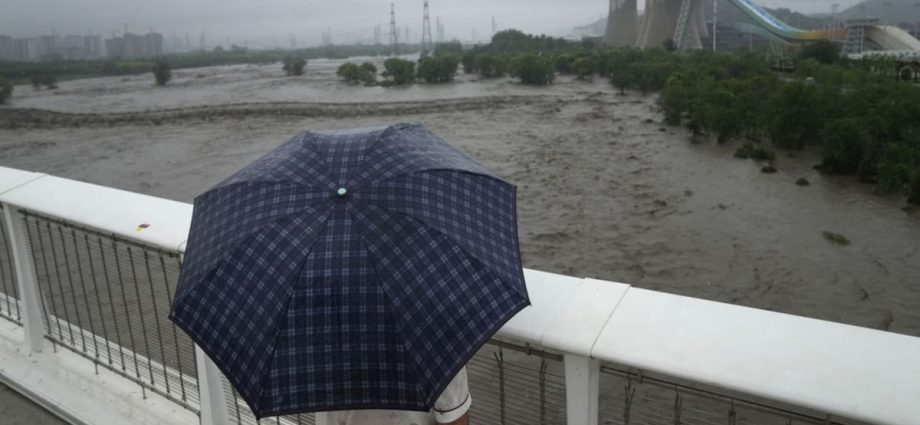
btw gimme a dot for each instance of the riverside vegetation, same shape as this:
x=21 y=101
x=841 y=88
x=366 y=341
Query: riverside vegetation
x=857 y=114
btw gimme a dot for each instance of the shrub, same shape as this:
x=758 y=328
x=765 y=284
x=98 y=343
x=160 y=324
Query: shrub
x=843 y=142
x=36 y=83
x=795 y=115
x=348 y=71
x=533 y=69
x=438 y=69
x=448 y=48
x=583 y=68
x=469 y=62
x=490 y=66
x=293 y=65
x=755 y=151
x=399 y=71
x=161 y=72
x=6 y=90
x=367 y=73
x=824 y=51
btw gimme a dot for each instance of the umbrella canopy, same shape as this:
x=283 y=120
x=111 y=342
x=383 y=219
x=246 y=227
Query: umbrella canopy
x=350 y=270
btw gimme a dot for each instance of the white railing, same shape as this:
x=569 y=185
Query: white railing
x=844 y=372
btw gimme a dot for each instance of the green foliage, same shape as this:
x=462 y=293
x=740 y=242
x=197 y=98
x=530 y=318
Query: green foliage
x=794 y=116
x=162 y=73
x=438 y=69
x=6 y=90
x=824 y=51
x=491 y=66
x=293 y=65
x=583 y=67
x=365 y=73
x=469 y=62
x=368 y=73
x=533 y=69
x=842 y=144
x=755 y=151
x=399 y=71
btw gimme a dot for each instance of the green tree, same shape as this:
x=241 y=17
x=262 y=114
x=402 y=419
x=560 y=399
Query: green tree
x=583 y=68
x=795 y=116
x=843 y=142
x=490 y=66
x=367 y=73
x=400 y=71
x=438 y=69
x=824 y=51
x=6 y=90
x=349 y=72
x=469 y=61
x=293 y=65
x=161 y=72
x=533 y=69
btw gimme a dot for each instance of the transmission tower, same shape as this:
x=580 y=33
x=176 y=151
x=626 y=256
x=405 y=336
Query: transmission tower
x=394 y=35
x=494 y=27
x=439 y=29
x=427 y=44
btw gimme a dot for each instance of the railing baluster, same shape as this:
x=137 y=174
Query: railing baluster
x=21 y=248
x=140 y=309
x=73 y=290
x=156 y=318
x=174 y=330
x=108 y=287
x=49 y=300
x=92 y=272
x=6 y=275
x=57 y=273
x=124 y=299
x=92 y=327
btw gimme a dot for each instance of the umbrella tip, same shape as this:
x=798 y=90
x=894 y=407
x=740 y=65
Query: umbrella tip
x=341 y=192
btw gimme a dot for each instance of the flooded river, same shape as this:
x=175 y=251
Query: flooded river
x=605 y=190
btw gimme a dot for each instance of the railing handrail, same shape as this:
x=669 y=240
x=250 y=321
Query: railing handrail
x=844 y=370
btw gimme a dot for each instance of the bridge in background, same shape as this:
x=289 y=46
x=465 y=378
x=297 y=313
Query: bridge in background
x=683 y=22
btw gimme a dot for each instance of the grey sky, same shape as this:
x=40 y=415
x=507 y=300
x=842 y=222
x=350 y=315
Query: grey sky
x=261 y=21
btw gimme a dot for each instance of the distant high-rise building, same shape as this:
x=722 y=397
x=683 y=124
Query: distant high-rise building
x=92 y=47
x=153 y=44
x=6 y=48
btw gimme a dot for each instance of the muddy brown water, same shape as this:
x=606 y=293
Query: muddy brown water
x=605 y=190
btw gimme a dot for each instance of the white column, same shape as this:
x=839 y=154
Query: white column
x=29 y=302
x=582 y=389
x=211 y=389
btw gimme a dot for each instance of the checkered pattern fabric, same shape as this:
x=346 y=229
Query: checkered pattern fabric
x=311 y=300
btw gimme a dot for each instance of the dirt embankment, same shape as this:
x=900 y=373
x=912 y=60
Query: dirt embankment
x=16 y=118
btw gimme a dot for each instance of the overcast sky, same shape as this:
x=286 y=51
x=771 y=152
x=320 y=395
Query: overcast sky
x=261 y=21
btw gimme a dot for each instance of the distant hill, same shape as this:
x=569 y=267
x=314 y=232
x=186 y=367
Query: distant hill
x=893 y=12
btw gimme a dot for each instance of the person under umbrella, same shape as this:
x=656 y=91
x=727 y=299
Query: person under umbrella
x=351 y=270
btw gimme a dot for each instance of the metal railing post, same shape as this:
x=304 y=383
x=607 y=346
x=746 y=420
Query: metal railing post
x=582 y=389
x=30 y=307
x=211 y=389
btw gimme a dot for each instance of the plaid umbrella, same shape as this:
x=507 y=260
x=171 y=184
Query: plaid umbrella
x=350 y=270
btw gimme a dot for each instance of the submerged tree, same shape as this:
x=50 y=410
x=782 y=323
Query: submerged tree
x=293 y=65
x=162 y=73
x=6 y=90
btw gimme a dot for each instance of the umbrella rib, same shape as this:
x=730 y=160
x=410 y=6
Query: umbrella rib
x=433 y=229
x=428 y=170
x=497 y=325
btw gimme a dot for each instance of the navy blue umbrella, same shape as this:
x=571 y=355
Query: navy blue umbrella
x=350 y=270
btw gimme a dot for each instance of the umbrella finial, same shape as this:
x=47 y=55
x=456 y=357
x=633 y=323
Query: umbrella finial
x=341 y=192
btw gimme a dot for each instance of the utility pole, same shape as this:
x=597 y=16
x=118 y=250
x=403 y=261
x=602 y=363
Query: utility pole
x=394 y=36
x=377 y=35
x=427 y=44
x=494 y=27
